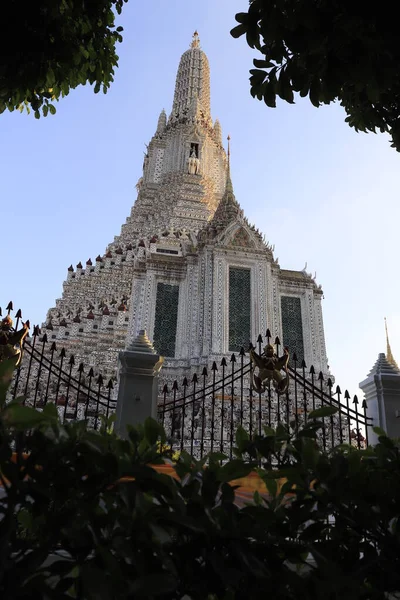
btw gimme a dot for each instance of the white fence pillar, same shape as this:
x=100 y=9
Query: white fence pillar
x=382 y=394
x=138 y=383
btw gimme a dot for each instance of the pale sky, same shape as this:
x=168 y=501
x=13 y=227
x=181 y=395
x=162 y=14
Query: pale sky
x=320 y=192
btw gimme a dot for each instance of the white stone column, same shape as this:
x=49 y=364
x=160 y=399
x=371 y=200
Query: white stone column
x=309 y=333
x=274 y=322
x=319 y=324
x=136 y=306
x=208 y=305
x=260 y=301
x=139 y=365
x=219 y=306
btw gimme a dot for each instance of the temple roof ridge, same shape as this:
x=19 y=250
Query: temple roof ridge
x=228 y=215
x=383 y=367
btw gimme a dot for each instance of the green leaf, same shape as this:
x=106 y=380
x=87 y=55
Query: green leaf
x=263 y=64
x=242 y=17
x=287 y=91
x=286 y=488
x=50 y=411
x=270 y=94
x=268 y=431
x=228 y=493
x=24 y=417
x=325 y=411
x=379 y=432
x=315 y=91
x=238 y=31
x=373 y=93
x=154 y=584
x=257 y=77
x=310 y=453
x=153 y=431
x=25 y=519
x=282 y=432
x=272 y=486
x=50 y=79
x=214 y=457
x=242 y=439
x=313 y=532
x=234 y=469
x=17 y=400
x=257 y=498
x=52 y=109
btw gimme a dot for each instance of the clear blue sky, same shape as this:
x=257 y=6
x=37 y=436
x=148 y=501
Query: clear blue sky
x=320 y=192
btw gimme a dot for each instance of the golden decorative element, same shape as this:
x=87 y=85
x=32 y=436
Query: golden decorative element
x=269 y=369
x=389 y=355
x=11 y=341
x=195 y=41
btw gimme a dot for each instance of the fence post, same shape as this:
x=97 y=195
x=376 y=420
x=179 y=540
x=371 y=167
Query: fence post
x=139 y=365
x=382 y=394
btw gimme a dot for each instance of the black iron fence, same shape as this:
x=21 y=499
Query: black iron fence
x=48 y=374
x=202 y=414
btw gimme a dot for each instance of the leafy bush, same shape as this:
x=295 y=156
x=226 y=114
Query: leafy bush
x=83 y=515
x=52 y=46
x=342 y=50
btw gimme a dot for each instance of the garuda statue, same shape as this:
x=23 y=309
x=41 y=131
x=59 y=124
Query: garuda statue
x=11 y=341
x=269 y=369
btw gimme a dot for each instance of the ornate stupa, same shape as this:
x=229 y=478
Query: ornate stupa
x=187 y=266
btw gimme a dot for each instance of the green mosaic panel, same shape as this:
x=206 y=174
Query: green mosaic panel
x=166 y=319
x=292 y=326
x=239 y=308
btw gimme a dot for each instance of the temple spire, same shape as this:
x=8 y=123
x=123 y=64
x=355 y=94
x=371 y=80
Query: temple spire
x=389 y=354
x=228 y=208
x=192 y=81
x=229 y=186
x=162 y=122
x=218 y=131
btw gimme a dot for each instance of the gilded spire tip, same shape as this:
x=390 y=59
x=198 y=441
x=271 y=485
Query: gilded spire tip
x=389 y=354
x=196 y=40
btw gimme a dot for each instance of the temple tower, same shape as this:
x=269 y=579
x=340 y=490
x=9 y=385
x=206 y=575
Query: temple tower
x=184 y=168
x=187 y=266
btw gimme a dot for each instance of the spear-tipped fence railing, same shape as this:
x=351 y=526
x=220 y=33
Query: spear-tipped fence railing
x=48 y=374
x=203 y=418
x=203 y=413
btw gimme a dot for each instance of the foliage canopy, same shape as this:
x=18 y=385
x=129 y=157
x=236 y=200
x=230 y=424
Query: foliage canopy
x=49 y=47
x=328 y=50
x=83 y=515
